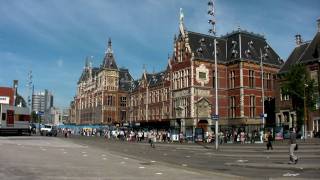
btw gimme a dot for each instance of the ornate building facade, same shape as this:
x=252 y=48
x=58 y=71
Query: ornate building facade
x=182 y=96
x=102 y=93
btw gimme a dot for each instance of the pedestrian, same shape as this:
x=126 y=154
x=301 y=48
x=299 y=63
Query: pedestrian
x=269 y=141
x=293 y=146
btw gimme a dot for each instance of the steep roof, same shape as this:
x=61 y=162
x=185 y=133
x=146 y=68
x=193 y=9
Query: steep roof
x=294 y=57
x=304 y=53
x=203 y=46
x=125 y=79
x=228 y=47
x=109 y=61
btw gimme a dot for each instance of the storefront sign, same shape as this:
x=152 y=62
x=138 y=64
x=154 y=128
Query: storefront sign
x=4 y=100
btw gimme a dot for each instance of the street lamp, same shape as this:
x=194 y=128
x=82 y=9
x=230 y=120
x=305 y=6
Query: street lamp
x=263 y=56
x=305 y=110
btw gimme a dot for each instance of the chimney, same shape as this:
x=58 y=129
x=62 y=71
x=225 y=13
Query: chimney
x=318 y=23
x=298 y=39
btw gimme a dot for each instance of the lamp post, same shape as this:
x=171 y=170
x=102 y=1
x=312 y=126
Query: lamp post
x=305 y=110
x=263 y=56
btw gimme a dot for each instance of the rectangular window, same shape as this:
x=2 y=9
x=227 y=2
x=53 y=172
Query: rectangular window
x=252 y=106
x=232 y=110
x=231 y=79
x=251 y=78
x=214 y=79
x=122 y=115
x=110 y=100
x=123 y=101
x=202 y=75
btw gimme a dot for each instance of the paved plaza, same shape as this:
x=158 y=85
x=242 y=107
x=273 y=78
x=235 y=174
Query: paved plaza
x=35 y=157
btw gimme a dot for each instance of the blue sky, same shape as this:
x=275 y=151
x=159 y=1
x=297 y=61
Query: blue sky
x=53 y=37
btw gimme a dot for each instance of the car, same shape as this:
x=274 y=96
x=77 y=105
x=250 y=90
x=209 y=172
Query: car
x=48 y=130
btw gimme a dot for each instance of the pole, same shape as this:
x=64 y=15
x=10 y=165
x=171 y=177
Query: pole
x=216 y=90
x=262 y=89
x=305 y=111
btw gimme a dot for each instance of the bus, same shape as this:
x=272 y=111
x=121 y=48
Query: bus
x=14 y=119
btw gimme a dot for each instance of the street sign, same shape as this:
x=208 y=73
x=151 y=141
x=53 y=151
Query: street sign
x=41 y=113
x=214 y=116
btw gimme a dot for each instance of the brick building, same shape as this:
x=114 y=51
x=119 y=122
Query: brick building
x=307 y=53
x=182 y=96
x=101 y=93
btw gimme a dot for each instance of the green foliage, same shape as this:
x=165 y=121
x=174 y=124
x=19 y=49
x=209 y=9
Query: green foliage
x=298 y=86
x=35 y=118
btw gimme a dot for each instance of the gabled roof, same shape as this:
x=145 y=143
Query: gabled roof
x=294 y=57
x=109 y=61
x=304 y=53
x=312 y=52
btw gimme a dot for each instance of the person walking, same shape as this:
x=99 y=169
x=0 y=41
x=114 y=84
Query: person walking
x=269 y=141
x=293 y=146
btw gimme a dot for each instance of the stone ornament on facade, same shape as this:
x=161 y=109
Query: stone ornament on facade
x=202 y=75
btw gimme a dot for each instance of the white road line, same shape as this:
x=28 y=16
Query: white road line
x=43 y=149
x=125 y=158
x=122 y=162
x=153 y=161
x=289 y=175
x=84 y=155
x=83 y=152
x=184 y=165
x=159 y=173
x=141 y=167
x=188 y=156
x=103 y=155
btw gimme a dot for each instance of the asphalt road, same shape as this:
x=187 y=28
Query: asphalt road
x=248 y=161
x=43 y=158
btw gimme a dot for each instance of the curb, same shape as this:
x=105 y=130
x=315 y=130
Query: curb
x=275 y=166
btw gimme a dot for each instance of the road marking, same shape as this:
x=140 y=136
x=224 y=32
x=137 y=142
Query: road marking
x=289 y=174
x=141 y=167
x=64 y=152
x=122 y=162
x=19 y=144
x=104 y=158
x=125 y=158
x=188 y=156
x=184 y=165
x=242 y=161
x=153 y=161
x=103 y=155
x=43 y=149
x=84 y=155
x=83 y=152
x=159 y=173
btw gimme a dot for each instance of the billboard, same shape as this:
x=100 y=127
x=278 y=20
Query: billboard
x=4 y=100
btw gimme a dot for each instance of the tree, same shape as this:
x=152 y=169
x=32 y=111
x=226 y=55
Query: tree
x=35 y=117
x=298 y=85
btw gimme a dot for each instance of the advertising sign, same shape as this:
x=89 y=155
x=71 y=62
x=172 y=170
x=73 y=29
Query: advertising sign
x=278 y=133
x=4 y=100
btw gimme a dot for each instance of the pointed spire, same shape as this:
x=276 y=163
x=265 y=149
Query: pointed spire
x=181 y=23
x=109 y=61
x=109 y=49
